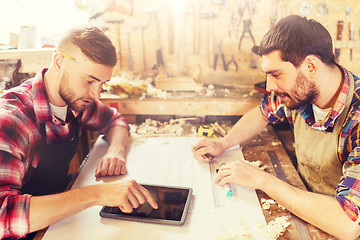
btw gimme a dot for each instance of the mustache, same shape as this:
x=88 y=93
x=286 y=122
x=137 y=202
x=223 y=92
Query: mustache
x=281 y=94
x=88 y=99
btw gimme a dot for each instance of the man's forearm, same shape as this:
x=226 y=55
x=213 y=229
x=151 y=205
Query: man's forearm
x=247 y=127
x=320 y=210
x=117 y=137
x=45 y=210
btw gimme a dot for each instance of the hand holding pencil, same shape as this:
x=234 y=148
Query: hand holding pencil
x=206 y=149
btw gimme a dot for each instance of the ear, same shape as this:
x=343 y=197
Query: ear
x=58 y=60
x=311 y=65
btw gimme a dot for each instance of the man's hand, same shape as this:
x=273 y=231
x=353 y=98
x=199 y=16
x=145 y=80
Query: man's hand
x=240 y=173
x=125 y=195
x=111 y=165
x=206 y=149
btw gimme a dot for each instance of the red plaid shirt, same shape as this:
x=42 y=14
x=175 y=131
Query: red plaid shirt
x=21 y=110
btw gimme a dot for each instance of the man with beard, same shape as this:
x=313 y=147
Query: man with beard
x=41 y=121
x=320 y=100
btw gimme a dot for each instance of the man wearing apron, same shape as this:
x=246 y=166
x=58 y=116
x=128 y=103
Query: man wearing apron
x=321 y=102
x=41 y=121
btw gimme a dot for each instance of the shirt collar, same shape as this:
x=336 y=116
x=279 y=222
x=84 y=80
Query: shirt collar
x=329 y=121
x=41 y=104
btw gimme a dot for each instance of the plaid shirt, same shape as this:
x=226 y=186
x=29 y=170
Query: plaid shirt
x=21 y=110
x=348 y=194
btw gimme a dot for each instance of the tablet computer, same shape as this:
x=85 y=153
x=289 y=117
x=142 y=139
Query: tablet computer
x=173 y=205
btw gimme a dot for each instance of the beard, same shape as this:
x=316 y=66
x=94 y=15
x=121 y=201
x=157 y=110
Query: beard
x=303 y=93
x=68 y=95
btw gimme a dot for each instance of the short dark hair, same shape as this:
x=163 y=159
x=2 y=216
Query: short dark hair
x=297 y=37
x=93 y=43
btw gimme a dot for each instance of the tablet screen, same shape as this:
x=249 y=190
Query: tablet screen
x=173 y=205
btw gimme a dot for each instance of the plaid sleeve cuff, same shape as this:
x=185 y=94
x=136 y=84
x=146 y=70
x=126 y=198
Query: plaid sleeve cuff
x=14 y=216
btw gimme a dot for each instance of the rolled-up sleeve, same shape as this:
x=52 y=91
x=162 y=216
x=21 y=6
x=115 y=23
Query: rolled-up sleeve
x=14 y=207
x=348 y=190
x=100 y=117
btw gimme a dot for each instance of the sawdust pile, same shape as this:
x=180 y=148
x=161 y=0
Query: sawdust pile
x=241 y=232
x=277 y=227
x=127 y=85
x=152 y=128
x=257 y=164
x=208 y=91
x=272 y=231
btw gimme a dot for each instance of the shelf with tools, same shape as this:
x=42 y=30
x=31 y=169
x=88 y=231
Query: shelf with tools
x=221 y=101
x=188 y=45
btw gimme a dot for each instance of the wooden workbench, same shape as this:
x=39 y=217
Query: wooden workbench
x=223 y=102
x=257 y=149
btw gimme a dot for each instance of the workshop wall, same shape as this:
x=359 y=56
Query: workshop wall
x=188 y=34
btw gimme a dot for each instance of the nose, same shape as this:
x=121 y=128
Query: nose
x=270 y=85
x=95 y=91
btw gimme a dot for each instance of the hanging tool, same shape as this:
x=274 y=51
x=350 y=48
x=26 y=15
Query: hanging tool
x=171 y=13
x=351 y=37
x=182 y=51
x=232 y=61
x=305 y=8
x=254 y=55
x=246 y=32
x=274 y=12
x=322 y=9
x=210 y=42
x=243 y=7
x=125 y=7
x=130 y=61
x=217 y=53
x=219 y=2
x=234 y=26
x=141 y=24
x=347 y=11
x=152 y=11
x=196 y=28
x=117 y=23
x=339 y=29
x=278 y=10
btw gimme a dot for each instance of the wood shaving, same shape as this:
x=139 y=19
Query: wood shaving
x=239 y=233
x=277 y=227
x=265 y=203
x=208 y=91
x=257 y=164
x=156 y=128
x=275 y=143
x=126 y=86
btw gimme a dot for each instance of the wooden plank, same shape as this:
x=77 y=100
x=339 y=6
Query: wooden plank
x=190 y=107
x=32 y=60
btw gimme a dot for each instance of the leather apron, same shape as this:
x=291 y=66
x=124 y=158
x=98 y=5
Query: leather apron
x=316 y=151
x=51 y=174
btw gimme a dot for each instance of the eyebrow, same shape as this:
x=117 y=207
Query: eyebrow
x=273 y=71
x=95 y=78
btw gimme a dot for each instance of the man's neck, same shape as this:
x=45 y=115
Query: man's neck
x=330 y=85
x=52 y=89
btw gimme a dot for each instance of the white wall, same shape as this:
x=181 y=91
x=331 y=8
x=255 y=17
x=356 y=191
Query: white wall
x=50 y=17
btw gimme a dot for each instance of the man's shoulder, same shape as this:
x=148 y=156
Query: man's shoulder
x=18 y=92
x=17 y=99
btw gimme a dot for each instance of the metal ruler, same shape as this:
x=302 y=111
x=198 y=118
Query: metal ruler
x=300 y=225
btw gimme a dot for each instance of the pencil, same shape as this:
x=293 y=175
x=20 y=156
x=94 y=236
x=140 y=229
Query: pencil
x=203 y=155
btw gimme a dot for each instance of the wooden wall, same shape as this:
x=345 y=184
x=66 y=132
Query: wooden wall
x=186 y=52
x=189 y=42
